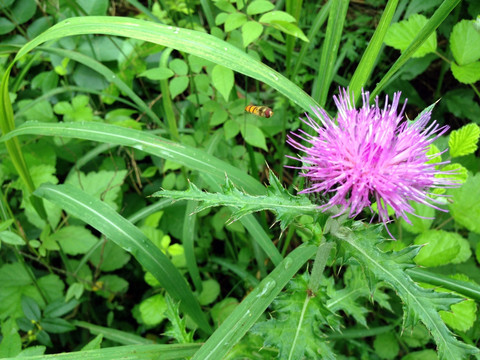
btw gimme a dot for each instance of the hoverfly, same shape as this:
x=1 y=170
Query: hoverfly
x=263 y=111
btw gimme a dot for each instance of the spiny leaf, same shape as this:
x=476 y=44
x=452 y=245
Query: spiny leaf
x=278 y=200
x=418 y=303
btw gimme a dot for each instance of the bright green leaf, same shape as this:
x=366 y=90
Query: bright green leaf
x=465 y=42
x=401 y=34
x=462 y=315
x=289 y=29
x=179 y=66
x=253 y=135
x=465 y=207
x=440 y=247
x=251 y=31
x=152 y=310
x=210 y=292
x=74 y=239
x=464 y=140
x=259 y=7
x=178 y=85
x=223 y=80
x=234 y=21
x=9 y=237
x=159 y=73
x=467 y=74
x=386 y=345
x=277 y=16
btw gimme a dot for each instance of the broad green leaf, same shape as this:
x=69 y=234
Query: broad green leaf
x=9 y=237
x=465 y=207
x=231 y=129
x=277 y=16
x=22 y=11
x=98 y=7
x=111 y=285
x=158 y=73
x=179 y=66
x=289 y=29
x=465 y=42
x=5 y=27
x=462 y=315
x=178 y=85
x=223 y=79
x=222 y=309
x=110 y=257
x=386 y=345
x=102 y=217
x=234 y=21
x=422 y=222
x=259 y=7
x=253 y=136
x=31 y=309
x=251 y=31
x=467 y=74
x=464 y=140
x=462 y=103
x=400 y=35
x=56 y=325
x=421 y=355
x=11 y=343
x=152 y=310
x=210 y=292
x=74 y=240
x=225 y=5
x=440 y=248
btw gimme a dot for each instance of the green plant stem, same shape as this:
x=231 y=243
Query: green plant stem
x=167 y=100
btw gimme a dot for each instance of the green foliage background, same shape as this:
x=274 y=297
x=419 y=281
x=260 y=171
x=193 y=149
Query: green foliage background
x=140 y=202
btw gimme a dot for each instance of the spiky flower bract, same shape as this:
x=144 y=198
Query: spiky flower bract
x=370 y=155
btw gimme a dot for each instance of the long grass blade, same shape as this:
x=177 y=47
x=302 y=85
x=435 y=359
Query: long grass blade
x=106 y=220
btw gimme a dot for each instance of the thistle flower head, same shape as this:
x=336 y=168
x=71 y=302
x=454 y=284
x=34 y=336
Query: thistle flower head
x=370 y=154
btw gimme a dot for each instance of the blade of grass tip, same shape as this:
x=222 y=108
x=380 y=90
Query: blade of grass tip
x=109 y=75
x=438 y=17
x=106 y=220
x=314 y=29
x=167 y=100
x=331 y=44
x=370 y=56
x=190 y=41
x=252 y=307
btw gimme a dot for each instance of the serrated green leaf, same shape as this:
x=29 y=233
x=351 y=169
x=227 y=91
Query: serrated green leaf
x=465 y=207
x=401 y=34
x=465 y=42
x=466 y=74
x=74 y=240
x=259 y=7
x=234 y=21
x=278 y=200
x=441 y=248
x=462 y=315
x=223 y=80
x=418 y=304
x=251 y=31
x=152 y=310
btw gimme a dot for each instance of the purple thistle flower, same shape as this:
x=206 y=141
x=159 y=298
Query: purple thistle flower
x=371 y=154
